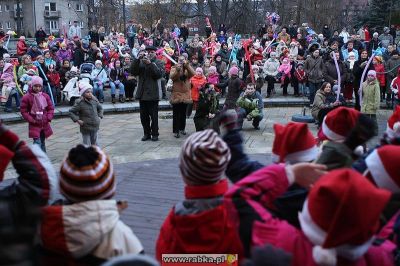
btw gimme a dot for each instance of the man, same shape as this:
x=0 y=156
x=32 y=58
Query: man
x=131 y=33
x=74 y=30
x=149 y=71
x=293 y=30
x=184 y=32
x=326 y=32
x=385 y=38
x=330 y=73
x=314 y=69
x=283 y=36
x=251 y=106
x=373 y=43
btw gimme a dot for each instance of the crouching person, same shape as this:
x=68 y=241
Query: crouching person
x=85 y=227
x=202 y=222
x=251 y=106
x=87 y=112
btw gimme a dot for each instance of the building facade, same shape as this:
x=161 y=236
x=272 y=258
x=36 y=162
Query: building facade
x=54 y=16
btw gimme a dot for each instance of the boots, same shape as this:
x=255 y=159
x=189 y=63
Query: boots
x=112 y=98
x=121 y=99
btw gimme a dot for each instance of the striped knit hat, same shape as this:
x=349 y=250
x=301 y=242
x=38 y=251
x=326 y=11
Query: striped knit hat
x=204 y=158
x=87 y=174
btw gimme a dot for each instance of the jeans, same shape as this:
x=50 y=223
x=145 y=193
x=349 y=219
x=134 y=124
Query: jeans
x=41 y=141
x=303 y=89
x=98 y=91
x=313 y=89
x=242 y=114
x=14 y=95
x=149 y=112
x=120 y=87
x=179 y=117
x=90 y=138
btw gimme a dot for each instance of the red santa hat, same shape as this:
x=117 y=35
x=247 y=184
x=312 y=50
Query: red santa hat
x=393 y=124
x=293 y=143
x=5 y=157
x=383 y=167
x=338 y=123
x=329 y=221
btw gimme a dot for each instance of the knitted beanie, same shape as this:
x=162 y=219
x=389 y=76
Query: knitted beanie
x=234 y=71
x=87 y=174
x=36 y=80
x=83 y=87
x=212 y=69
x=204 y=158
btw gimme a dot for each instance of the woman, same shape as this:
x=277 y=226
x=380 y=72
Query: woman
x=94 y=35
x=371 y=98
x=78 y=55
x=38 y=110
x=319 y=107
x=48 y=60
x=26 y=64
x=181 y=94
x=358 y=69
x=102 y=33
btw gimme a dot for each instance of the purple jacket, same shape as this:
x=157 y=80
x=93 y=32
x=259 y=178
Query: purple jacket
x=36 y=126
x=250 y=199
x=63 y=55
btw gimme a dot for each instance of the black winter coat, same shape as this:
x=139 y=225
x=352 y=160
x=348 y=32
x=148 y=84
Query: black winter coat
x=149 y=80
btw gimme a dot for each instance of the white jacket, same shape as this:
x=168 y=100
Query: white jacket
x=271 y=67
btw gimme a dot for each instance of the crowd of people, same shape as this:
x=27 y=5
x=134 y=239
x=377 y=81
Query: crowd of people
x=306 y=208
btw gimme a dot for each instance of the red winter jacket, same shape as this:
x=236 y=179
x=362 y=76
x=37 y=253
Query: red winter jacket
x=300 y=75
x=250 y=198
x=21 y=48
x=54 y=78
x=379 y=68
x=197 y=83
x=196 y=230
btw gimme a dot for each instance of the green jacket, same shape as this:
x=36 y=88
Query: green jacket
x=371 y=97
x=335 y=155
x=253 y=104
x=89 y=111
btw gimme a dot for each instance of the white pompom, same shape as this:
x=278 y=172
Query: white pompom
x=324 y=257
x=359 y=150
x=396 y=126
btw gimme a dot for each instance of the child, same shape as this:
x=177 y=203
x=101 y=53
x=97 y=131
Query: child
x=213 y=77
x=285 y=79
x=207 y=107
x=83 y=114
x=85 y=227
x=26 y=78
x=380 y=75
x=117 y=77
x=300 y=76
x=99 y=77
x=65 y=67
x=54 y=81
x=9 y=87
x=38 y=110
x=197 y=81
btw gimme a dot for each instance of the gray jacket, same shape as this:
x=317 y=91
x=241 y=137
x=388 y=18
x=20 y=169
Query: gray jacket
x=314 y=68
x=271 y=67
x=89 y=111
x=149 y=80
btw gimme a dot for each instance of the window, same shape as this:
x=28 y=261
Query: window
x=0 y=8
x=52 y=25
x=1 y=26
x=20 y=7
x=6 y=8
x=69 y=5
x=50 y=6
x=8 y=25
x=79 y=7
x=80 y=24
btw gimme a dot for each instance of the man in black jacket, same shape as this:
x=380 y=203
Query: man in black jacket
x=150 y=72
x=184 y=32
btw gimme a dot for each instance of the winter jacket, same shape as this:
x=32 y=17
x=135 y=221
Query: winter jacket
x=234 y=89
x=99 y=75
x=221 y=69
x=23 y=68
x=330 y=73
x=373 y=45
x=253 y=104
x=63 y=55
x=392 y=65
x=35 y=125
x=314 y=68
x=224 y=55
x=380 y=68
x=21 y=48
x=285 y=70
x=181 y=88
x=149 y=80
x=20 y=201
x=89 y=111
x=197 y=82
x=8 y=75
x=86 y=229
x=358 y=69
x=300 y=75
x=117 y=74
x=371 y=97
x=345 y=53
x=213 y=78
x=335 y=155
x=386 y=40
x=257 y=226
x=54 y=78
x=200 y=224
x=395 y=86
x=271 y=67
x=207 y=104
x=318 y=104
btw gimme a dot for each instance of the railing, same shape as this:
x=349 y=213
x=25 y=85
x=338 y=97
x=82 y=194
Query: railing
x=52 y=14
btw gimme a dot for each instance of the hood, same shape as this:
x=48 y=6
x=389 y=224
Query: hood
x=7 y=66
x=79 y=228
x=214 y=226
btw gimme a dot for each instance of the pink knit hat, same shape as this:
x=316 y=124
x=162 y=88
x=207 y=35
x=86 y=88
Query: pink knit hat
x=212 y=69
x=36 y=80
x=199 y=69
x=234 y=71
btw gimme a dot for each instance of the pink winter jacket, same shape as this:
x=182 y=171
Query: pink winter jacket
x=35 y=126
x=285 y=69
x=250 y=199
x=8 y=75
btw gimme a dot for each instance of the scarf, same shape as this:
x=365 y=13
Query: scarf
x=39 y=104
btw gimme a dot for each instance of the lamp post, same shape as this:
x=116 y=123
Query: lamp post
x=124 y=14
